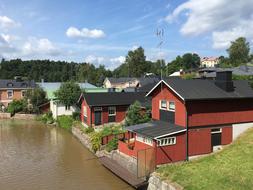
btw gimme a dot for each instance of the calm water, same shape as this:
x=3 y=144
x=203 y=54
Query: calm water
x=36 y=157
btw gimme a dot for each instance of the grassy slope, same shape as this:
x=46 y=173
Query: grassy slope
x=232 y=168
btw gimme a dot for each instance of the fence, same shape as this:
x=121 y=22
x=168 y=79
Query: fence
x=106 y=139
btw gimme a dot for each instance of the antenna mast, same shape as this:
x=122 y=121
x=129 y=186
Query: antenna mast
x=160 y=36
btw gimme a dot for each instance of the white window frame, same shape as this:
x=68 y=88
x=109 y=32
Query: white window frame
x=12 y=93
x=97 y=108
x=85 y=111
x=218 y=131
x=174 y=106
x=167 y=141
x=144 y=139
x=23 y=91
x=114 y=109
x=163 y=108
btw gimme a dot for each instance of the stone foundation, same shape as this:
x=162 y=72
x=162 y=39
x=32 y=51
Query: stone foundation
x=128 y=162
x=156 y=183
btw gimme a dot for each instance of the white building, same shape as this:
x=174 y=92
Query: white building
x=209 y=61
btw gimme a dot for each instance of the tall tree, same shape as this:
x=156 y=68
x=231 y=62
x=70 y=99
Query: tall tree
x=68 y=93
x=136 y=61
x=190 y=61
x=239 y=51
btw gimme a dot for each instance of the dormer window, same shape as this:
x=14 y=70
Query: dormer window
x=24 y=85
x=10 y=85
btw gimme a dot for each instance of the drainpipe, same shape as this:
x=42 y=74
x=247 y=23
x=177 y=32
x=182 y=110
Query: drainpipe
x=91 y=116
x=187 y=146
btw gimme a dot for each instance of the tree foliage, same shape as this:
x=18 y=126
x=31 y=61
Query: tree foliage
x=68 y=93
x=35 y=97
x=17 y=106
x=135 y=115
x=239 y=51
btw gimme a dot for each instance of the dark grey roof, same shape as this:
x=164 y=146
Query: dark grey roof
x=143 y=81
x=113 y=98
x=156 y=129
x=206 y=89
x=13 y=84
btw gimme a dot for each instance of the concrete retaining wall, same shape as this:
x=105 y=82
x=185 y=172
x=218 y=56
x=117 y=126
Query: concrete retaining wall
x=240 y=128
x=5 y=115
x=24 y=116
x=156 y=183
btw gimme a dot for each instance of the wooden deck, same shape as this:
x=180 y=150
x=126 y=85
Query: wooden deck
x=122 y=172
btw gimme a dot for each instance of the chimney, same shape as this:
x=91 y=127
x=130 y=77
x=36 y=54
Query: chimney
x=224 y=80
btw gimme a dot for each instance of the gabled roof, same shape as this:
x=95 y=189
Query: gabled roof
x=113 y=98
x=14 y=84
x=205 y=89
x=156 y=129
x=121 y=79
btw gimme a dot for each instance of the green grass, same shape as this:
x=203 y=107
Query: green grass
x=231 y=168
x=65 y=122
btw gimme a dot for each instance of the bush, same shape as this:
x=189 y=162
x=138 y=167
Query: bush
x=95 y=141
x=46 y=118
x=112 y=145
x=65 y=122
x=16 y=106
x=88 y=130
x=135 y=115
x=76 y=116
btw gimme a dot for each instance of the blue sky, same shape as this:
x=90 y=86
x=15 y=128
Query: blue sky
x=103 y=31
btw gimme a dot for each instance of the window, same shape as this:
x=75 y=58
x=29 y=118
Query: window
x=23 y=93
x=216 y=130
x=9 y=93
x=145 y=140
x=163 y=104
x=84 y=111
x=67 y=108
x=112 y=111
x=166 y=141
x=10 y=85
x=171 y=106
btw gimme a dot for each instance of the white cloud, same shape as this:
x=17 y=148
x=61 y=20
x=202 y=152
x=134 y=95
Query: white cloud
x=41 y=46
x=94 y=59
x=6 y=22
x=73 y=32
x=120 y=59
x=226 y=20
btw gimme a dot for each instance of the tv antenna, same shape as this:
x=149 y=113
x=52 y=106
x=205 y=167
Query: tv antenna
x=160 y=36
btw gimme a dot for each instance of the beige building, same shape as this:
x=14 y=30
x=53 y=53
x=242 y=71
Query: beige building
x=209 y=61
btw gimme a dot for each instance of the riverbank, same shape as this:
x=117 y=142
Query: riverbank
x=18 y=116
x=128 y=162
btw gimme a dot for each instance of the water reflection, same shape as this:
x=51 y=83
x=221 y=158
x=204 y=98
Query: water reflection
x=33 y=156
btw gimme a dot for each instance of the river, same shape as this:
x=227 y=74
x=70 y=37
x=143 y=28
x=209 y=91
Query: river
x=37 y=157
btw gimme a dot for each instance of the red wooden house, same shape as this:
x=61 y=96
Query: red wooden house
x=192 y=117
x=110 y=107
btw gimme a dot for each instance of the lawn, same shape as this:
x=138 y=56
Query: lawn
x=232 y=168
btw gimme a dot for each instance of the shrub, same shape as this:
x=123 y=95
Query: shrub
x=95 y=141
x=16 y=106
x=135 y=115
x=65 y=122
x=76 y=116
x=112 y=145
x=88 y=130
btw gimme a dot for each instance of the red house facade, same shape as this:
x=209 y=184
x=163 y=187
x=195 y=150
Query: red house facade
x=103 y=108
x=193 y=117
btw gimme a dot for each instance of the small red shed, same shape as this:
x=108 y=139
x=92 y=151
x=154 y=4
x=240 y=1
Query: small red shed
x=110 y=107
